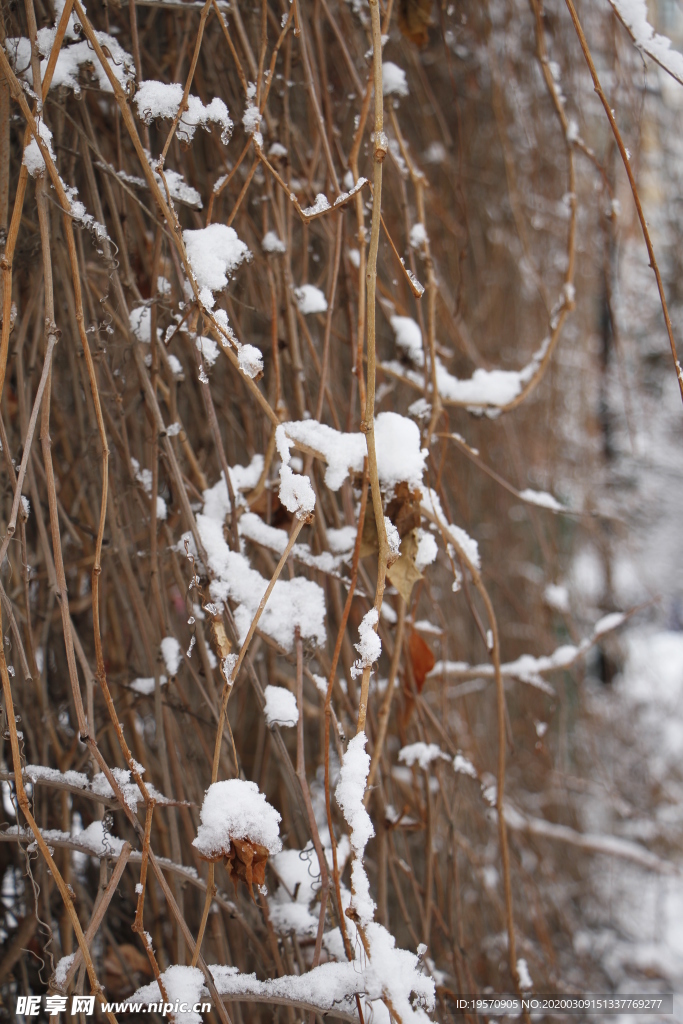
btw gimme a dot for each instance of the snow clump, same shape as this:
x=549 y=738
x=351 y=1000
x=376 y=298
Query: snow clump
x=159 y=99
x=422 y=754
x=214 y=253
x=183 y=985
x=33 y=158
x=310 y=299
x=250 y=360
x=273 y=243
x=235 y=809
x=170 y=652
x=370 y=645
x=296 y=493
x=393 y=80
x=280 y=706
x=349 y=795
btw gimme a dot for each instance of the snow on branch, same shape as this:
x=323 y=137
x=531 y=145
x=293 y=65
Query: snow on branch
x=529 y=668
x=400 y=459
x=485 y=390
x=96 y=789
x=349 y=795
x=215 y=253
x=370 y=645
x=633 y=15
x=293 y=603
x=235 y=809
x=296 y=493
x=72 y=58
x=610 y=846
x=159 y=99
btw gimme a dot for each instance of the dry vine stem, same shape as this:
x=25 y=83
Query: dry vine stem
x=246 y=478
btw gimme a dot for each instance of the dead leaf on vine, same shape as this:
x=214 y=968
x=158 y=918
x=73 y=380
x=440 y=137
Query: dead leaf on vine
x=422 y=662
x=220 y=639
x=421 y=658
x=404 y=509
x=246 y=861
x=122 y=964
x=404 y=512
x=369 y=542
x=404 y=574
x=414 y=19
x=270 y=508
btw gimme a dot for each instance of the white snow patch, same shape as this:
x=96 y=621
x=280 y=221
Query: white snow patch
x=183 y=985
x=321 y=205
x=408 y=337
x=72 y=58
x=370 y=646
x=296 y=493
x=171 y=653
x=33 y=158
x=543 y=499
x=145 y=685
x=422 y=754
x=393 y=537
x=418 y=235
x=62 y=969
x=214 y=253
x=273 y=243
x=209 y=350
x=349 y=795
x=252 y=115
x=525 y=981
x=159 y=99
x=280 y=706
x=298 y=602
x=250 y=360
x=393 y=80
x=427 y=550
x=397 y=441
x=634 y=15
x=310 y=299
x=462 y=540
x=463 y=766
x=556 y=596
x=490 y=389
x=235 y=808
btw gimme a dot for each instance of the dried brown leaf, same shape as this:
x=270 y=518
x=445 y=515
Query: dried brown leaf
x=404 y=574
x=422 y=659
x=247 y=861
x=414 y=19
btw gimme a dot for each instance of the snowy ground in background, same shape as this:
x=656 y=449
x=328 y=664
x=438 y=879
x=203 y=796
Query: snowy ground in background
x=637 y=935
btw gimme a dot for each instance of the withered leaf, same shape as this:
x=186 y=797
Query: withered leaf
x=122 y=965
x=404 y=574
x=247 y=861
x=220 y=639
x=404 y=509
x=414 y=19
x=422 y=659
x=369 y=542
x=279 y=516
x=404 y=512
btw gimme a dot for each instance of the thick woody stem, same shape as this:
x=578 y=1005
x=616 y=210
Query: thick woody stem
x=368 y=426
